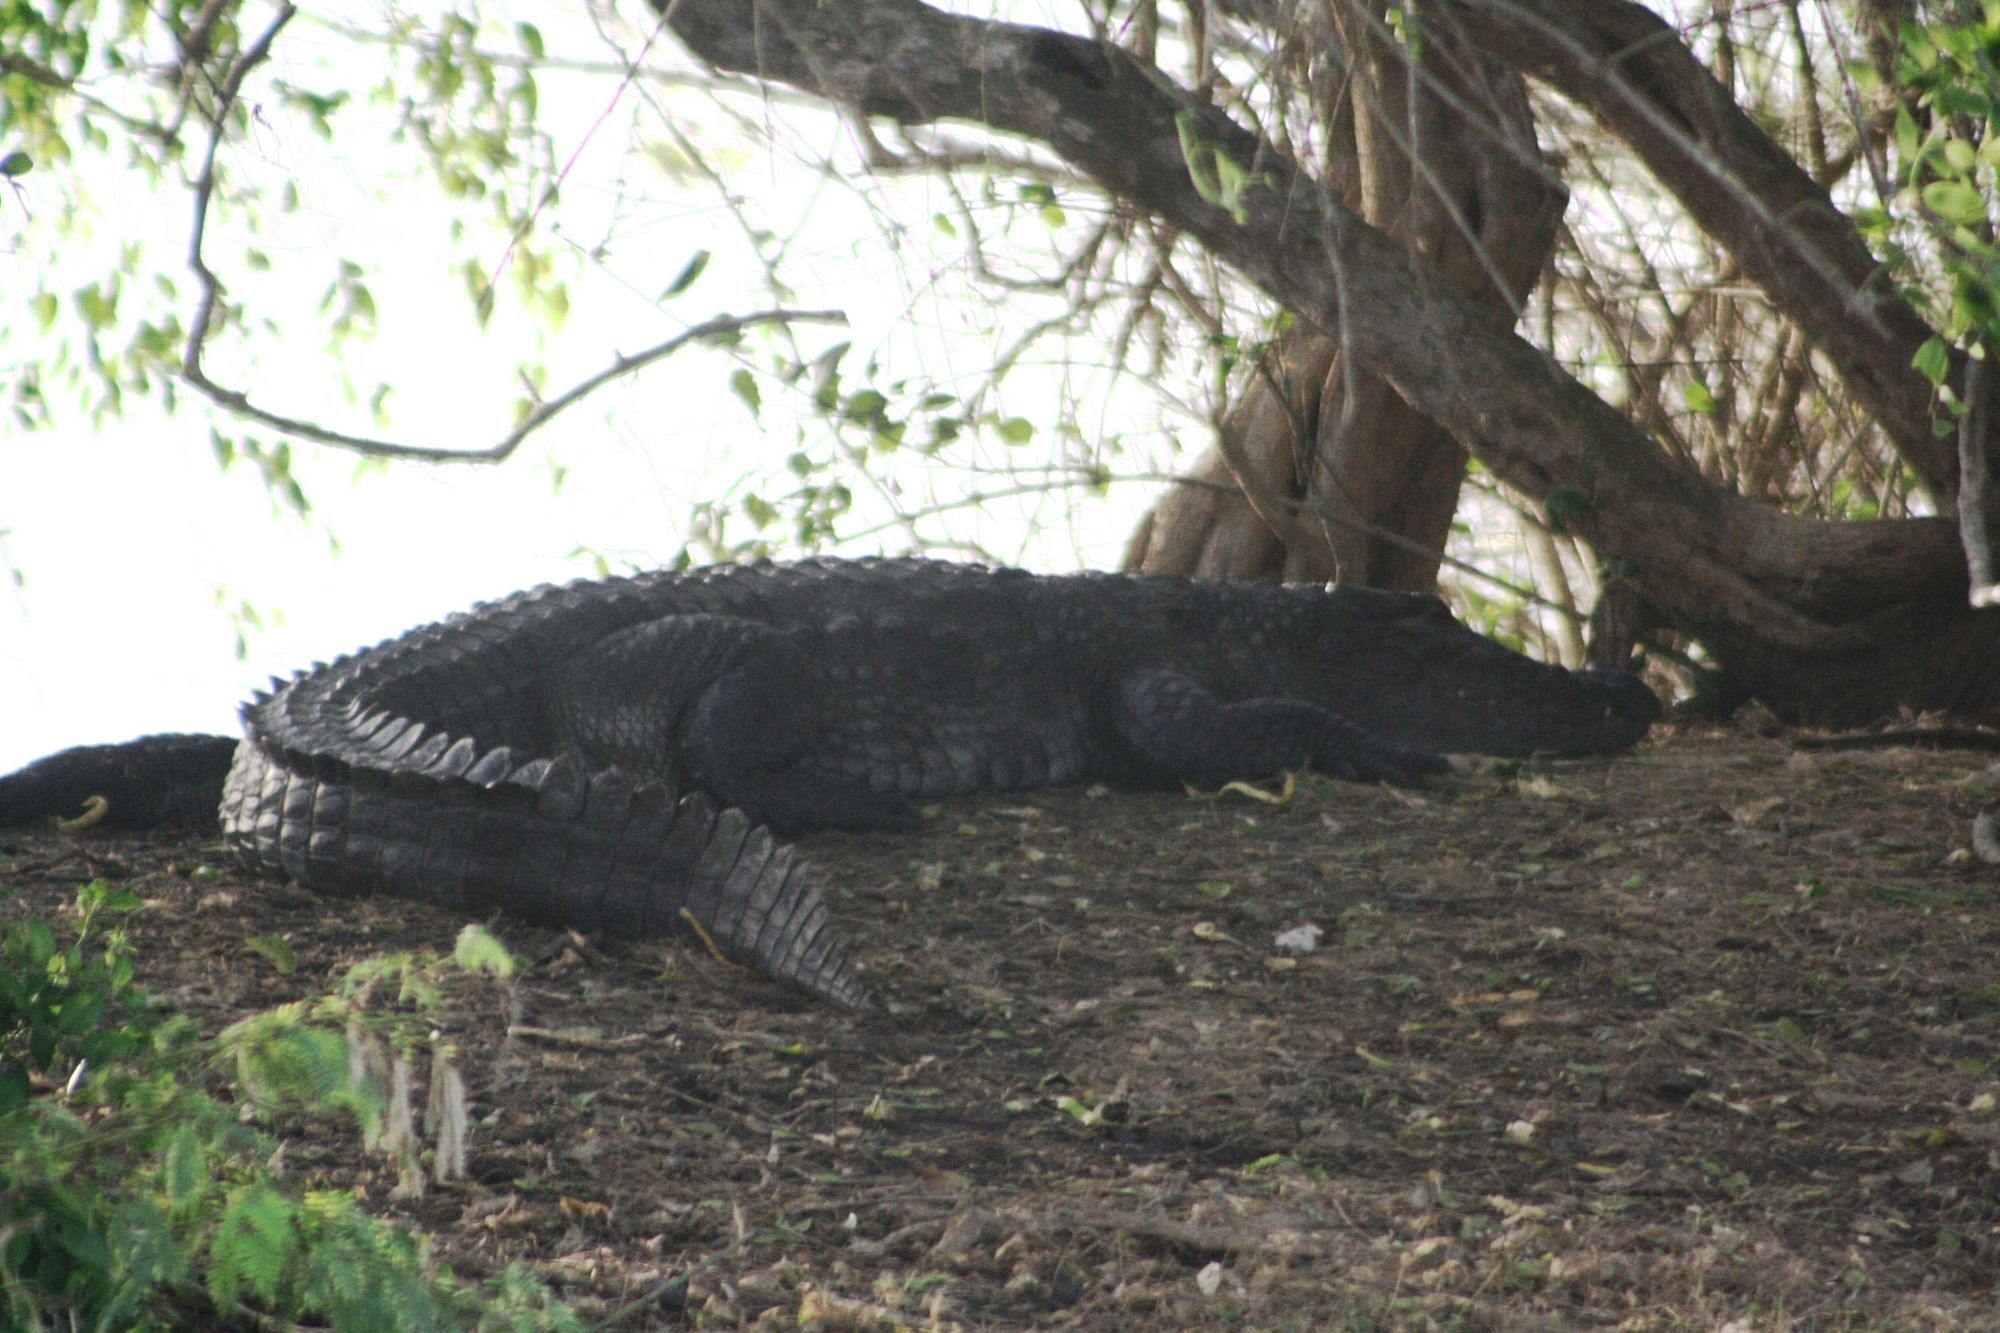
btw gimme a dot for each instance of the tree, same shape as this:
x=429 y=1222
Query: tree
x=1743 y=400
x=1322 y=471
x=1821 y=619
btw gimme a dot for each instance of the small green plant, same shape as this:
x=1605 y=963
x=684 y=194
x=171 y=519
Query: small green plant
x=130 y=1198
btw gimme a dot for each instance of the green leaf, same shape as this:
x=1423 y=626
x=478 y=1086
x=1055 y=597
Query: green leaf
x=16 y=164
x=479 y=950
x=1016 y=430
x=1955 y=201
x=97 y=309
x=44 y=305
x=744 y=385
x=184 y=1166
x=275 y=950
x=81 y=1012
x=1907 y=137
x=1079 y=1111
x=685 y=278
x=143 y=1249
x=530 y=38
x=252 y=1244
x=13 y=1085
x=864 y=405
x=1698 y=396
x=555 y=304
x=1933 y=360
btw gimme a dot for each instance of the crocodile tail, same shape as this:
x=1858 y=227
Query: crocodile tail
x=543 y=840
x=170 y=780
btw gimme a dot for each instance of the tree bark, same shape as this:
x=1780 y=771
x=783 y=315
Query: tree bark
x=1321 y=471
x=1829 y=621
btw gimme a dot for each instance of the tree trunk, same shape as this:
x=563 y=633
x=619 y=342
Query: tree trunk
x=1824 y=621
x=1321 y=471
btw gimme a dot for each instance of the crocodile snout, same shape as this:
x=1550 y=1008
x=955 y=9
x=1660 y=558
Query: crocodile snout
x=1629 y=697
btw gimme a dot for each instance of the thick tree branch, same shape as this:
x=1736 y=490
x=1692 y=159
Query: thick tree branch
x=1113 y=119
x=1642 y=83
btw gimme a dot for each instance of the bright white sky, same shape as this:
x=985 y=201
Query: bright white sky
x=129 y=544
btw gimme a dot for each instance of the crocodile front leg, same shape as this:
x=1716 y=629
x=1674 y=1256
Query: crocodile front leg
x=1175 y=727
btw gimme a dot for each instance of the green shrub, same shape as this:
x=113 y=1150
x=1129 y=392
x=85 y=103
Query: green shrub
x=130 y=1198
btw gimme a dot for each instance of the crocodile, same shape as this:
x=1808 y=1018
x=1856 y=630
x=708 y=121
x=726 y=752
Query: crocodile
x=625 y=755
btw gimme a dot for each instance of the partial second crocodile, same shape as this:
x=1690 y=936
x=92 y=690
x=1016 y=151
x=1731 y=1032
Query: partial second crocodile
x=612 y=754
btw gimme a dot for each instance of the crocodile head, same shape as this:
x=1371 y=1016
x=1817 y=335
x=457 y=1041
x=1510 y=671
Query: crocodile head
x=1403 y=667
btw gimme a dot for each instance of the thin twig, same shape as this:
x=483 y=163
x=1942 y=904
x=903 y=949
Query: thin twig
x=548 y=195
x=204 y=193
x=719 y=326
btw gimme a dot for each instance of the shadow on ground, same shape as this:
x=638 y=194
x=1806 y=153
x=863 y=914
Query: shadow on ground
x=1702 y=1034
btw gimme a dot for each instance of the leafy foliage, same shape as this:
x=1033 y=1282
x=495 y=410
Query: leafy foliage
x=219 y=110
x=1946 y=81
x=188 y=96
x=1944 y=136
x=131 y=1198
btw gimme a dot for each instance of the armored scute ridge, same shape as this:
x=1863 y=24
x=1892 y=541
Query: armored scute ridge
x=611 y=755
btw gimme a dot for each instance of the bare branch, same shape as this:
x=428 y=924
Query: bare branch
x=37 y=72
x=1642 y=82
x=204 y=194
x=629 y=68
x=238 y=401
x=548 y=194
x=719 y=326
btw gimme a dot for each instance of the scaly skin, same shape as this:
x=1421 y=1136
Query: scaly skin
x=607 y=755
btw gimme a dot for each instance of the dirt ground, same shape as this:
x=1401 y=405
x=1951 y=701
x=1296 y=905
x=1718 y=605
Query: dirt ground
x=1702 y=1036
